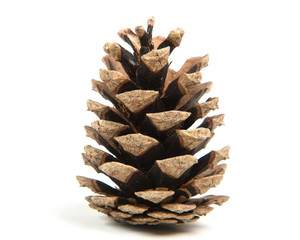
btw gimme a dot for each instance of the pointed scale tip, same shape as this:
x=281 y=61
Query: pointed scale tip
x=123 y=32
x=151 y=21
x=211 y=103
x=80 y=179
x=95 y=106
x=191 y=139
x=206 y=107
x=218 y=120
x=175 y=36
x=189 y=81
x=86 y=182
x=92 y=133
x=140 y=31
x=223 y=154
x=113 y=49
x=205 y=60
x=213 y=122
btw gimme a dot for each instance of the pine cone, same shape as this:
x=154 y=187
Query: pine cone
x=147 y=134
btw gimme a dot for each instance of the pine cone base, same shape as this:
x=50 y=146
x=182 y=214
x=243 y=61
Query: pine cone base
x=165 y=213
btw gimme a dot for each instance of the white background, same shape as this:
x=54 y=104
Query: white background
x=50 y=50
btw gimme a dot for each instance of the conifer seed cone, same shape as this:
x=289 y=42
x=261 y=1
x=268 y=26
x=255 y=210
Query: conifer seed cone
x=150 y=145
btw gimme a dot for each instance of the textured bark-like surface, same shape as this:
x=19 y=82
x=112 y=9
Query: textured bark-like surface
x=126 y=177
x=140 y=150
x=135 y=104
x=173 y=40
x=116 y=81
x=191 y=98
x=105 y=112
x=213 y=122
x=95 y=157
x=200 y=111
x=193 y=65
x=98 y=187
x=127 y=60
x=170 y=172
x=131 y=38
x=112 y=64
x=145 y=40
x=104 y=132
x=148 y=136
x=187 y=141
x=153 y=69
x=163 y=124
x=155 y=196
